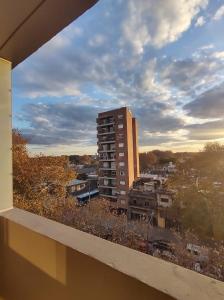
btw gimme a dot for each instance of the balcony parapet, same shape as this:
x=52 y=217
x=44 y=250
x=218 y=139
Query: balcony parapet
x=64 y=259
x=105 y=133
x=107 y=177
x=102 y=186
x=107 y=159
x=105 y=123
x=106 y=142
x=109 y=150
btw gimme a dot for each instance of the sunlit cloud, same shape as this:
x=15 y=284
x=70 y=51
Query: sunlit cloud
x=219 y=13
x=124 y=53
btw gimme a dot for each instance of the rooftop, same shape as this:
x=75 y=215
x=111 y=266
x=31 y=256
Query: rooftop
x=76 y=182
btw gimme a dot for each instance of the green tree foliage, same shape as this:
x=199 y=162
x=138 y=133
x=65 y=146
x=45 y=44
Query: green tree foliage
x=199 y=200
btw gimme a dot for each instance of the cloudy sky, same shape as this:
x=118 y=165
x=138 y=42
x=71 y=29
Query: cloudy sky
x=163 y=59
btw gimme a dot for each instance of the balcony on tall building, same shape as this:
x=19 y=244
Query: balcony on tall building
x=106 y=130
x=102 y=122
x=108 y=147
x=107 y=165
x=111 y=174
x=41 y=259
x=109 y=192
x=108 y=138
x=107 y=156
x=107 y=183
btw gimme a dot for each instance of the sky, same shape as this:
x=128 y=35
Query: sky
x=164 y=59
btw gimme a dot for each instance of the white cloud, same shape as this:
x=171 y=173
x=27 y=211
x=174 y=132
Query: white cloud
x=97 y=40
x=219 y=13
x=200 y=21
x=192 y=75
x=219 y=55
x=207 y=47
x=102 y=72
x=159 y=22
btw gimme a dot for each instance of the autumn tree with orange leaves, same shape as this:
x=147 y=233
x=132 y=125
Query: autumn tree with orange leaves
x=39 y=182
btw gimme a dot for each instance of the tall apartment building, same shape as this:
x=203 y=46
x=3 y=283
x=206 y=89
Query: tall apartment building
x=118 y=154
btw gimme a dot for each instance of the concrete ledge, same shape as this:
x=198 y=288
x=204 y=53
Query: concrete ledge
x=170 y=279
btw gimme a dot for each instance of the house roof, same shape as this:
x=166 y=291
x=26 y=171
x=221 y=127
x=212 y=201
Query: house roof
x=76 y=182
x=28 y=24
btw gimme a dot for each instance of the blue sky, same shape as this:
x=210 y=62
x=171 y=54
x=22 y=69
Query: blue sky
x=163 y=59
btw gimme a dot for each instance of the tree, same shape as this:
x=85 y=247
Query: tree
x=147 y=160
x=214 y=147
x=199 y=203
x=38 y=181
x=86 y=160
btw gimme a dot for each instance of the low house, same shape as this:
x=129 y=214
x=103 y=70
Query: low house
x=76 y=186
x=150 y=200
x=83 y=190
x=141 y=204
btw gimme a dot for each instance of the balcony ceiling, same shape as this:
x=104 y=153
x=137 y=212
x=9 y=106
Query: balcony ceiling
x=27 y=24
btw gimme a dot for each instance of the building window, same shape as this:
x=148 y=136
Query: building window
x=147 y=203
x=123 y=192
x=122 y=182
x=121 y=154
x=120 y=126
x=121 y=145
x=164 y=200
x=122 y=173
x=121 y=164
x=120 y=116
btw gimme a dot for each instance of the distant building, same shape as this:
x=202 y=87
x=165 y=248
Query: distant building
x=164 y=198
x=118 y=154
x=150 y=201
x=83 y=190
x=75 y=186
x=171 y=167
x=142 y=205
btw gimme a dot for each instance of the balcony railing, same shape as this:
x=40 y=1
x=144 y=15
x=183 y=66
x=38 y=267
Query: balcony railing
x=101 y=122
x=106 y=150
x=107 y=138
x=107 y=168
x=107 y=159
x=111 y=174
x=105 y=133
x=107 y=177
x=63 y=260
x=107 y=186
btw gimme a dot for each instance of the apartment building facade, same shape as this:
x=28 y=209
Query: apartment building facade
x=150 y=200
x=118 y=154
